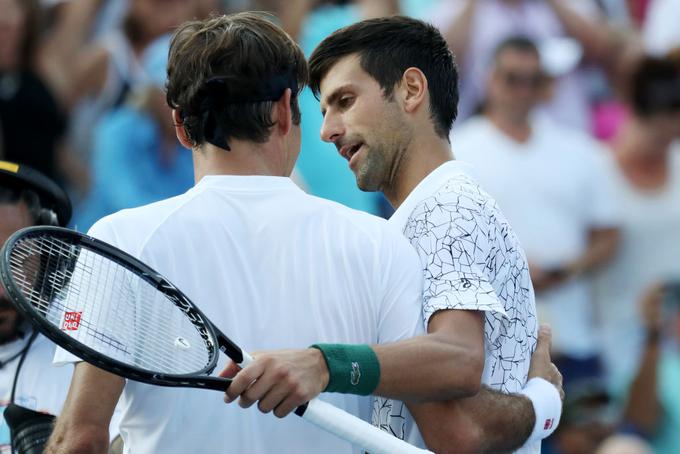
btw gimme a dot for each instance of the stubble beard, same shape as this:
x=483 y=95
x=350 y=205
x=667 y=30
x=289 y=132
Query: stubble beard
x=371 y=174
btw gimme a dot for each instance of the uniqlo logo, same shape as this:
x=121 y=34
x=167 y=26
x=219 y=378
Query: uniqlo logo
x=71 y=321
x=548 y=424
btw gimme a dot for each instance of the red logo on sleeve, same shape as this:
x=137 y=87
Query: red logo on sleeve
x=548 y=424
x=71 y=321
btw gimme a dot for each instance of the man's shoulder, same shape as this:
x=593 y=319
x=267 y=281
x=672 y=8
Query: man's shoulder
x=346 y=216
x=128 y=229
x=459 y=193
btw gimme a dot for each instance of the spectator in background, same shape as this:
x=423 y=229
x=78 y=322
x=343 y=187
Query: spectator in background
x=27 y=376
x=137 y=158
x=645 y=170
x=653 y=406
x=547 y=180
x=474 y=28
x=31 y=122
x=587 y=420
x=106 y=71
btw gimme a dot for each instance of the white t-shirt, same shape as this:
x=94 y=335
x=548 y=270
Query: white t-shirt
x=553 y=191
x=472 y=260
x=648 y=254
x=273 y=268
x=40 y=386
x=497 y=20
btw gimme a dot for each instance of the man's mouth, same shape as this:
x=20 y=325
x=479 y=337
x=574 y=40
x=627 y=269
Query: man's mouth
x=347 y=151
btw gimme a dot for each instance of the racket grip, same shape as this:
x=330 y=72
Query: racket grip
x=349 y=427
x=247 y=359
x=355 y=430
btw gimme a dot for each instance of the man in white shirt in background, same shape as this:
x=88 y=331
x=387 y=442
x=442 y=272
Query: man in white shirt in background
x=549 y=182
x=474 y=28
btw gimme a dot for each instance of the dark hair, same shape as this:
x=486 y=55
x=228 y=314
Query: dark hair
x=243 y=51
x=655 y=86
x=519 y=43
x=38 y=214
x=387 y=47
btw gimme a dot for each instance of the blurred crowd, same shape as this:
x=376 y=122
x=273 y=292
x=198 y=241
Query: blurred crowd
x=569 y=114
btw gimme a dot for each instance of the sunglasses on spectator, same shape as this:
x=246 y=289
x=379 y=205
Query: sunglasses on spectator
x=517 y=79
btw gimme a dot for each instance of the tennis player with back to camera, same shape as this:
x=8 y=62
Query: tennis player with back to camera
x=241 y=239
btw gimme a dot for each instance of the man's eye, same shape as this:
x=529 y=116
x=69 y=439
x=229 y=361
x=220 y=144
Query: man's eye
x=345 y=102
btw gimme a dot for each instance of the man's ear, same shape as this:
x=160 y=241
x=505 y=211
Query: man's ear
x=283 y=114
x=414 y=89
x=180 y=132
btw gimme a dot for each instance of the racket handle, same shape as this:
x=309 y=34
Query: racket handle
x=247 y=359
x=349 y=427
x=355 y=430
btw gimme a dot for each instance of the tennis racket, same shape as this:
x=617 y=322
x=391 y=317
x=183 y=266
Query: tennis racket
x=113 y=311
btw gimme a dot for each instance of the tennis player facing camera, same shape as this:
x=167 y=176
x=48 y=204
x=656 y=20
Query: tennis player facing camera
x=388 y=93
x=270 y=266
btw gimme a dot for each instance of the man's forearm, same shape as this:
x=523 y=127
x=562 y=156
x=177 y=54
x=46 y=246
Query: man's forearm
x=428 y=368
x=594 y=36
x=446 y=364
x=602 y=247
x=643 y=409
x=82 y=426
x=457 y=34
x=504 y=421
x=488 y=422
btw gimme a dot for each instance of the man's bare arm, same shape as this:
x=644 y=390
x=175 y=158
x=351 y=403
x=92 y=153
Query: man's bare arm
x=445 y=364
x=490 y=421
x=83 y=425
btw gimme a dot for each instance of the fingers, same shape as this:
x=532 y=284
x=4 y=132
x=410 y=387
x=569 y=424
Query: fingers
x=265 y=386
x=558 y=381
x=282 y=400
x=230 y=370
x=280 y=381
x=243 y=380
x=544 y=339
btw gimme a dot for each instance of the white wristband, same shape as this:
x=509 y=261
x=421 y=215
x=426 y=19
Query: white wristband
x=547 y=407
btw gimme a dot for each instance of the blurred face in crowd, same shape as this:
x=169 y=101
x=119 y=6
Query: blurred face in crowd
x=12 y=30
x=12 y=218
x=517 y=82
x=368 y=129
x=157 y=17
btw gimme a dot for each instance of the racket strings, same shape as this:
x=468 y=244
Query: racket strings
x=107 y=307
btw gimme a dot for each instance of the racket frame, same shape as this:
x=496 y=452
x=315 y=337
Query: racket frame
x=215 y=339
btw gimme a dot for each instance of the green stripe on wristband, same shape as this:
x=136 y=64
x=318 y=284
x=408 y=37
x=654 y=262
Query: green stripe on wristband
x=352 y=369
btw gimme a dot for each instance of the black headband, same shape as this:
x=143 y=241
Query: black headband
x=217 y=94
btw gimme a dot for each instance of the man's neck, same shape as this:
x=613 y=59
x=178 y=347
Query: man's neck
x=517 y=127
x=423 y=156
x=244 y=158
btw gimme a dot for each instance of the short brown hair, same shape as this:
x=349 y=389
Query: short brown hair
x=387 y=47
x=242 y=50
